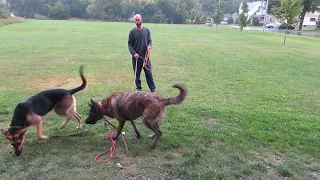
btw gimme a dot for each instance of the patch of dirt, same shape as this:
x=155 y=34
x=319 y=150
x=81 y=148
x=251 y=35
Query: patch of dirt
x=116 y=78
x=52 y=81
x=208 y=120
x=216 y=142
x=316 y=92
x=270 y=161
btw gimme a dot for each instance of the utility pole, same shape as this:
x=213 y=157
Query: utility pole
x=265 y=14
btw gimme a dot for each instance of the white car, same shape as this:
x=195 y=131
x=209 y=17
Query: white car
x=273 y=25
x=224 y=23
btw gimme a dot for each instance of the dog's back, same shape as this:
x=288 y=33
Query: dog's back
x=131 y=105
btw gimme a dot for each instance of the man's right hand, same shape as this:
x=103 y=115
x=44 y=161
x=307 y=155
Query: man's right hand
x=136 y=55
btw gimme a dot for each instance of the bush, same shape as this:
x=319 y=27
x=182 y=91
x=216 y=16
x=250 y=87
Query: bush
x=230 y=20
x=41 y=17
x=11 y=20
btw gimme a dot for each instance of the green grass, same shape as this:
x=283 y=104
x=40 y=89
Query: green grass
x=252 y=111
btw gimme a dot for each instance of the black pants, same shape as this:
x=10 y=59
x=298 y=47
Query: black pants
x=147 y=72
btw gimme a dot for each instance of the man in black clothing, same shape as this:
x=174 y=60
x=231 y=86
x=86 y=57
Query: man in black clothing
x=139 y=43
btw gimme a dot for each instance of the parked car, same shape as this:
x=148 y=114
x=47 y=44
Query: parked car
x=224 y=22
x=273 y=25
x=284 y=26
x=209 y=23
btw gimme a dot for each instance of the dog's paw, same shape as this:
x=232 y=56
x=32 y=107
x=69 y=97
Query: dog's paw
x=41 y=138
x=151 y=136
x=79 y=127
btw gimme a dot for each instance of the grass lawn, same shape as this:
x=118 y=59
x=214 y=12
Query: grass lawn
x=252 y=111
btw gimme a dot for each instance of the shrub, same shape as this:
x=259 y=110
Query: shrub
x=41 y=17
x=230 y=20
x=11 y=20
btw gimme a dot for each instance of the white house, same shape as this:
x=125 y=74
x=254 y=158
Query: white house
x=310 y=21
x=258 y=9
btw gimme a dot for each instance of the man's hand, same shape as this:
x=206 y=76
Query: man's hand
x=136 y=55
x=149 y=47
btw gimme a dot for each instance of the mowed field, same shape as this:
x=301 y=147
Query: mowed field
x=252 y=111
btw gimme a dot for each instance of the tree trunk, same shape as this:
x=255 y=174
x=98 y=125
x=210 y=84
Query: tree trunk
x=303 y=13
x=285 y=36
x=241 y=28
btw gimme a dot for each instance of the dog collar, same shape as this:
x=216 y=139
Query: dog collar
x=100 y=105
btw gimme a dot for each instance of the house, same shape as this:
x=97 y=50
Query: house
x=310 y=21
x=258 y=9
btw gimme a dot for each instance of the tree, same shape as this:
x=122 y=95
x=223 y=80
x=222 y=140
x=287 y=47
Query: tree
x=230 y=6
x=243 y=17
x=287 y=13
x=308 y=6
x=218 y=16
x=59 y=11
x=4 y=9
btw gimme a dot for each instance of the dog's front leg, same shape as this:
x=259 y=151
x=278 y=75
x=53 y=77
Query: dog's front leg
x=119 y=129
x=39 y=132
x=135 y=129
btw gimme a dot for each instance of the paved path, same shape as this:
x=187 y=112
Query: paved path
x=303 y=33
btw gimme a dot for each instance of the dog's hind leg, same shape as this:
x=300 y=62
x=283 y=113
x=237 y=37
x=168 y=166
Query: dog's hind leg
x=153 y=123
x=64 y=123
x=135 y=129
x=79 y=118
x=67 y=107
x=156 y=129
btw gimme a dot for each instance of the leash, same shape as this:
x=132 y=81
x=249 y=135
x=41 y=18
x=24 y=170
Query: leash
x=135 y=76
x=146 y=60
x=112 y=149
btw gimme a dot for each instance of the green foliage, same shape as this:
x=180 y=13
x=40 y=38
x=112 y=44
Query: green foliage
x=40 y=17
x=156 y=11
x=59 y=11
x=288 y=11
x=4 y=9
x=218 y=16
x=243 y=17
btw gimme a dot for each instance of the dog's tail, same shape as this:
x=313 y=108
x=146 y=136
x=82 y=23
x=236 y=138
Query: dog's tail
x=178 y=99
x=83 y=85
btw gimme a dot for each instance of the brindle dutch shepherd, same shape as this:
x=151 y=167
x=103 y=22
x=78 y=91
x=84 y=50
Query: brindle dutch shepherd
x=128 y=106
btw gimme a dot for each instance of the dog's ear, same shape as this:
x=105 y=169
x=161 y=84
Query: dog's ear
x=93 y=103
x=6 y=133
x=21 y=131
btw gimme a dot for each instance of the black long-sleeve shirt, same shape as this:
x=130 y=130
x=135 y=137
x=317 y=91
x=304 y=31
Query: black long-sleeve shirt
x=139 y=40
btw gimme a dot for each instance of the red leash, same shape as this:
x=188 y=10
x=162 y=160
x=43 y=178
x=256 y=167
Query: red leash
x=112 y=150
